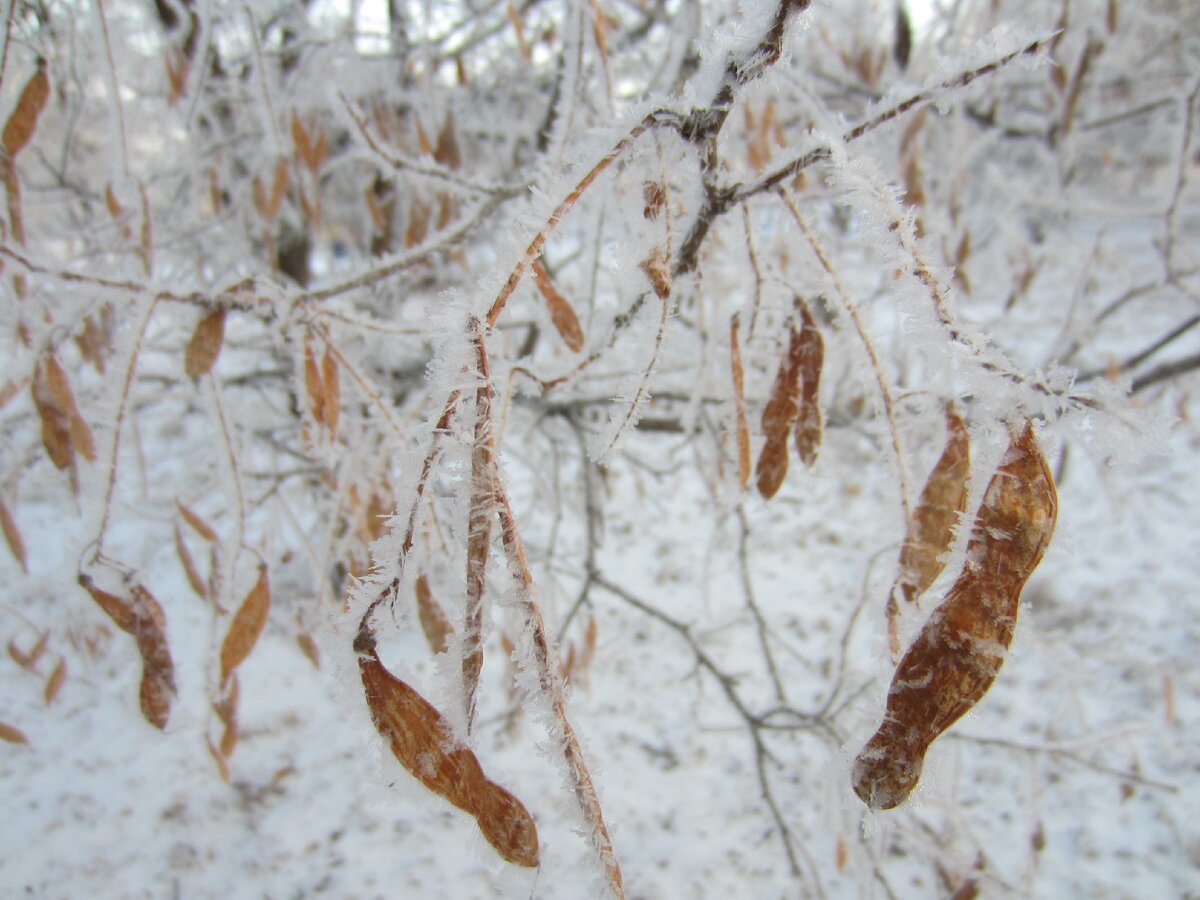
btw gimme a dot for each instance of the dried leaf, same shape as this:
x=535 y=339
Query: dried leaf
x=22 y=122
x=959 y=651
x=118 y=609
x=812 y=359
x=246 y=626
x=55 y=682
x=12 y=735
x=423 y=744
x=197 y=524
x=739 y=406
x=331 y=407
x=205 y=344
x=12 y=535
x=943 y=500
x=434 y=623
x=566 y=323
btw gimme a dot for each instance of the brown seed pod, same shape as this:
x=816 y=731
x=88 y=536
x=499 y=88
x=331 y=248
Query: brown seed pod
x=566 y=323
x=246 y=626
x=434 y=623
x=12 y=735
x=313 y=384
x=943 y=499
x=781 y=411
x=958 y=653
x=332 y=406
x=423 y=744
x=205 y=344
x=22 y=122
x=812 y=359
x=157 y=690
x=55 y=682
x=142 y=616
x=12 y=535
x=197 y=524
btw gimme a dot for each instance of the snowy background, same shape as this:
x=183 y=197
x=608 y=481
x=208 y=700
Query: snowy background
x=1056 y=203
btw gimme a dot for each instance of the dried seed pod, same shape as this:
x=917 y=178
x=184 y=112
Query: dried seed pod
x=313 y=384
x=142 y=616
x=157 y=689
x=55 y=682
x=778 y=415
x=12 y=535
x=434 y=623
x=22 y=122
x=189 y=565
x=332 y=407
x=566 y=323
x=943 y=499
x=812 y=359
x=421 y=741
x=205 y=344
x=958 y=653
x=197 y=524
x=246 y=626
x=12 y=735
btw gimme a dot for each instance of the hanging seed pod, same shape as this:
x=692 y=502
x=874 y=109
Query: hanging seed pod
x=205 y=344
x=943 y=500
x=958 y=653
x=423 y=744
x=812 y=359
x=778 y=415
